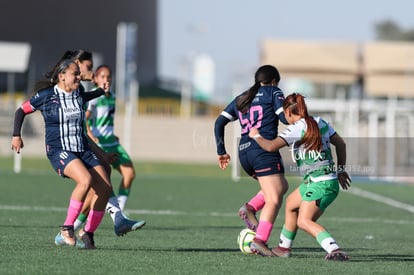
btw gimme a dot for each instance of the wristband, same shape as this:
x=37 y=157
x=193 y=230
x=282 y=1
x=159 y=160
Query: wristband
x=256 y=136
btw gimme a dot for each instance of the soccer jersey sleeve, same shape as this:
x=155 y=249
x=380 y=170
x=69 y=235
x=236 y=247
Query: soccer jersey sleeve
x=37 y=101
x=29 y=106
x=226 y=116
x=278 y=99
x=294 y=132
x=331 y=130
x=92 y=105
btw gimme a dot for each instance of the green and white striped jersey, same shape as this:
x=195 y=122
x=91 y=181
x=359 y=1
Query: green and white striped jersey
x=101 y=120
x=313 y=165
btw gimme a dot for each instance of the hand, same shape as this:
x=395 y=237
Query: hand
x=223 y=161
x=344 y=180
x=106 y=86
x=253 y=132
x=92 y=137
x=17 y=144
x=87 y=76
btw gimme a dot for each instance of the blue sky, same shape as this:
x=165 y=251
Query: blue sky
x=230 y=31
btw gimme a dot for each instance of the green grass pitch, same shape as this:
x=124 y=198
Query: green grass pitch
x=192 y=226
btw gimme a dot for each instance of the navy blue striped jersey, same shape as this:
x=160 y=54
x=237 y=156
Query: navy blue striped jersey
x=264 y=113
x=63 y=115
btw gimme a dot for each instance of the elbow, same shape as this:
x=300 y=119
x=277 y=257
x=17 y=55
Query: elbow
x=270 y=148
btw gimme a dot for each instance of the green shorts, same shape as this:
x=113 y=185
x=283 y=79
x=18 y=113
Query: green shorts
x=323 y=192
x=123 y=157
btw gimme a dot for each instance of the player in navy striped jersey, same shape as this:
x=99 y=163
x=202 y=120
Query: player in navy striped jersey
x=260 y=106
x=122 y=224
x=310 y=138
x=61 y=104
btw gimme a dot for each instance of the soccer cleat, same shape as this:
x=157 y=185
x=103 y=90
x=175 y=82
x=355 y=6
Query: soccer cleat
x=282 y=252
x=126 y=225
x=66 y=236
x=260 y=248
x=337 y=255
x=87 y=239
x=248 y=215
x=59 y=241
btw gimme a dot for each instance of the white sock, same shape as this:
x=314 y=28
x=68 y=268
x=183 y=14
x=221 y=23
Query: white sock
x=112 y=207
x=329 y=245
x=122 y=199
x=285 y=242
x=78 y=224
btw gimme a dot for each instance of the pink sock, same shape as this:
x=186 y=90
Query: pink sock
x=263 y=230
x=257 y=202
x=93 y=221
x=74 y=210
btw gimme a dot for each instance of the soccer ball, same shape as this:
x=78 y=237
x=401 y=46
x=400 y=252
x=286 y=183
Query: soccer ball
x=244 y=240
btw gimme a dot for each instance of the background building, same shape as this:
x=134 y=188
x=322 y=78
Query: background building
x=51 y=27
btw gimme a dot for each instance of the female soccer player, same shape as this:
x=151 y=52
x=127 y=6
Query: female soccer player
x=100 y=115
x=61 y=104
x=122 y=224
x=310 y=138
x=260 y=106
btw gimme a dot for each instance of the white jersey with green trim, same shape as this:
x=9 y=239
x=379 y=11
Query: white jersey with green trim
x=101 y=121
x=313 y=165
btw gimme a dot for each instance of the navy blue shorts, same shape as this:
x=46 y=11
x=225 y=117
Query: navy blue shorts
x=258 y=162
x=60 y=159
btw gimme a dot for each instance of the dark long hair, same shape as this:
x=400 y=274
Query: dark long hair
x=80 y=55
x=51 y=77
x=265 y=74
x=312 y=138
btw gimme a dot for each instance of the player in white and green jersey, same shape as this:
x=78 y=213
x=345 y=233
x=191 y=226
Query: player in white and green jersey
x=100 y=116
x=310 y=138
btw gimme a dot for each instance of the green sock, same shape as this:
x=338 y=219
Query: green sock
x=123 y=192
x=82 y=217
x=79 y=221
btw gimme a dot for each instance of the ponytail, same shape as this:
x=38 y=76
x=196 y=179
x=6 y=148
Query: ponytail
x=264 y=75
x=244 y=101
x=312 y=138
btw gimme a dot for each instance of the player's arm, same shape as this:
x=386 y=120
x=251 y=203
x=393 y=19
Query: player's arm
x=17 y=141
x=267 y=144
x=93 y=94
x=219 y=125
x=340 y=147
x=278 y=99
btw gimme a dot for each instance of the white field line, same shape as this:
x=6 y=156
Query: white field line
x=354 y=190
x=382 y=199
x=203 y=214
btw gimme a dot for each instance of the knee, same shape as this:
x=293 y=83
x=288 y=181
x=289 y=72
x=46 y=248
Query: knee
x=303 y=224
x=129 y=174
x=85 y=182
x=274 y=201
x=101 y=184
